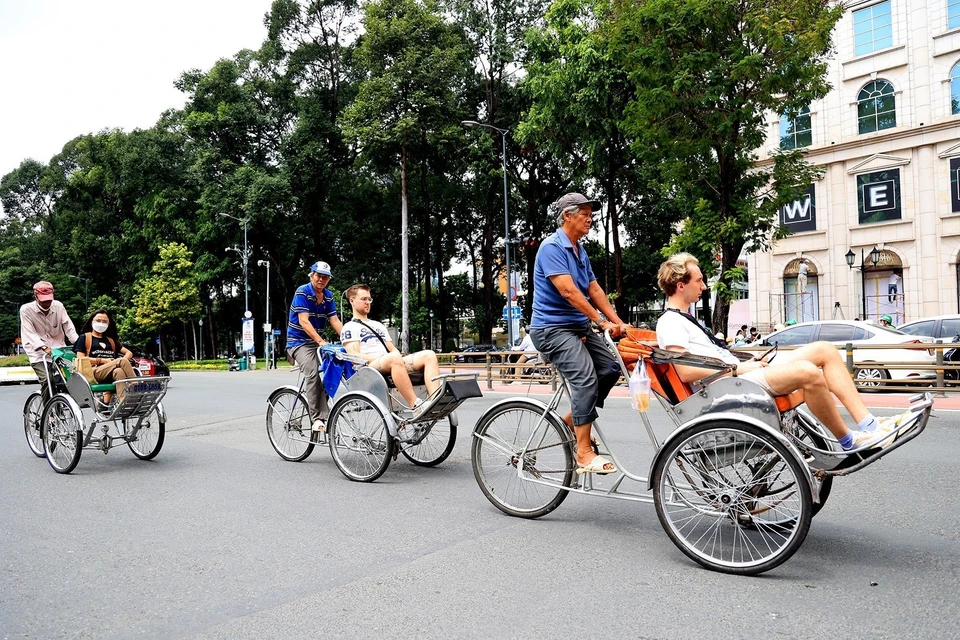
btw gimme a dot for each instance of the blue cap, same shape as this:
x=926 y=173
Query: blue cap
x=322 y=268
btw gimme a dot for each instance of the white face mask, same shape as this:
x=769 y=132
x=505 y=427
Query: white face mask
x=100 y=327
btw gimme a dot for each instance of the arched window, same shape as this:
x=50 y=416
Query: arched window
x=795 y=130
x=955 y=89
x=876 y=107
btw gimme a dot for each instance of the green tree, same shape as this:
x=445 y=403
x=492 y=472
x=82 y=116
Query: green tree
x=170 y=294
x=415 y=71
x=706 y=75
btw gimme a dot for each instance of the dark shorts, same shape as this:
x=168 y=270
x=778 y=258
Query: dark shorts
x=581 y=356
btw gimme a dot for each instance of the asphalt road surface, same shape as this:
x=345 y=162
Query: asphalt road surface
x=220 y=538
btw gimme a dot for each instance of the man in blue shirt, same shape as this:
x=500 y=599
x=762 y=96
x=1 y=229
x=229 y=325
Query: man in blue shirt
x=566 y=300
x=311 y=310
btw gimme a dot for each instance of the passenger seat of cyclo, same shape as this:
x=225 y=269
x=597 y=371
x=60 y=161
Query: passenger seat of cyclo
x=664 y=379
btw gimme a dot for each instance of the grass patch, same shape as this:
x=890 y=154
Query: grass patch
x=15 y=361
x=202 y=365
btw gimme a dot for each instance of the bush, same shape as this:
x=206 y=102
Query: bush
x=203 y=365
x=15 y=361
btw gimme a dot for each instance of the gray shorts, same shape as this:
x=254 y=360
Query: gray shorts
x=760 y=377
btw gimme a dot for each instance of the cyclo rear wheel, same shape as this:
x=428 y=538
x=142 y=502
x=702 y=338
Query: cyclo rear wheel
x=360 y=442
x=500 y=454
x=61 y=429
x=732 y=497
x=149 y=437
x=288 y=425
x=32 y=411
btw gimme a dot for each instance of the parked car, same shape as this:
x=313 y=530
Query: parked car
x=868 y=362
x=478 y=353
x=944 y=328
x=149 y=364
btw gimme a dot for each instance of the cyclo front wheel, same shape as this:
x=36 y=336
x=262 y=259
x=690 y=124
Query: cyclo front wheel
x=732 y=497
x=32 y=410
x=360 y=443
x=522 y=459
x=149 y=437
x=434 y=447
x=288 y=425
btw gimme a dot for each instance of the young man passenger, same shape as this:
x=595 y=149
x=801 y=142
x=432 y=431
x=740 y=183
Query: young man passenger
x=816 y=368
x=370 y=340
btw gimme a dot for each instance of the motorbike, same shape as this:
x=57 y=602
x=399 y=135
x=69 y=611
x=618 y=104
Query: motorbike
x=953 y=357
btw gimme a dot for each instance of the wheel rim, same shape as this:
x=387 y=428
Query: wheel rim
x=360 y=442
x=869 y=377
x=31 y=423
x=288 y=425
x=731 y=499
x=546 y=464
x=60 y=434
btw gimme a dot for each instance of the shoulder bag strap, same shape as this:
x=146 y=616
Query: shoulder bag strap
x=382 y=341
x=713 y=339
x=87 y=342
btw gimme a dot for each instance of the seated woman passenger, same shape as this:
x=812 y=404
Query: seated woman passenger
x=99 y=341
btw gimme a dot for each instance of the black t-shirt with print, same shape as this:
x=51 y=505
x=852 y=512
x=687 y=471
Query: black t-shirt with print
x=99 y=347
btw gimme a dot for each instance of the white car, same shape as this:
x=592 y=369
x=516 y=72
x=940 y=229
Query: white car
x=944 y=328
x=868 y=363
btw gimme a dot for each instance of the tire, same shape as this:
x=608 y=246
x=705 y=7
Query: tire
x=61 y=429
x=360 y=443
x=732 y=497
x=288 y=425
x=871 y=378
x=149 y=437
x=825 y=483
x=498 y=442
x=32 y=412
x=434 y=447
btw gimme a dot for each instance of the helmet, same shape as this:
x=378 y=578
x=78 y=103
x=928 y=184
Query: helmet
x=886 y=318
x=790 y=323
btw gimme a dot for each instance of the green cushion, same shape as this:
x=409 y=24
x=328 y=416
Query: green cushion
x=103 y=387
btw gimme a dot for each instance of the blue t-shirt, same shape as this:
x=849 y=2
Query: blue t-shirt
x=305 y=300
x=556 y=257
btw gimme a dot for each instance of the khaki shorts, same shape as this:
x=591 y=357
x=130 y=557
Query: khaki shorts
x=760 y=377
x=379 y=366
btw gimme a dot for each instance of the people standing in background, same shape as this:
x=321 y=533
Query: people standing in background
x=802 y=276
x=893 y=286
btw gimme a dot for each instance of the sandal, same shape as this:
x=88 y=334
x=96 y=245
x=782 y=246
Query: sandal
x=597 y=466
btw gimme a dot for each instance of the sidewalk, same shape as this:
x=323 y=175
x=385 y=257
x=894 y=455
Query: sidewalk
x=872 y=400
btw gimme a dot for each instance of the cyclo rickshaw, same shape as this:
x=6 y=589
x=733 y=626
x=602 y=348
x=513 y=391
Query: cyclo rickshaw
x=367 y=426
x=735 y=484
x=55 y=429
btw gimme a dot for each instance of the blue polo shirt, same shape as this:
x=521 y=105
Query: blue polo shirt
x=555 y=257
x=320 y=309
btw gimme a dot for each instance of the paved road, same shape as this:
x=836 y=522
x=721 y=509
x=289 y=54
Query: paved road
x=219 y=538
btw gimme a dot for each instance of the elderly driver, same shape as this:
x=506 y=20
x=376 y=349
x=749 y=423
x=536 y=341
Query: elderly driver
x=43 y=326
x=566 y=300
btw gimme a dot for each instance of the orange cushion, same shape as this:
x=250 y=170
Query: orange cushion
x=789 y=401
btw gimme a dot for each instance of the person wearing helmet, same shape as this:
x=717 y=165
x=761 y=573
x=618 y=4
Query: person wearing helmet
x=790 y=323
x=311 y=310
x=886 y=321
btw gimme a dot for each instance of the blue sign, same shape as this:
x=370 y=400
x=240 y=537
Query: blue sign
x=158 y=339
x=276 y=332
x=514 y=312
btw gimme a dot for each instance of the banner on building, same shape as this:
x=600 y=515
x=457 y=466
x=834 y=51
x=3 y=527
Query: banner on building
x=878 y=196
x=800 y=215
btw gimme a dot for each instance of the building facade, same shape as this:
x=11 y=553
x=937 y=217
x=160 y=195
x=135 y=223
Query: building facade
x=880 y=231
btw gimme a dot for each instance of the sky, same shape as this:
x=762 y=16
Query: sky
x=69 y=68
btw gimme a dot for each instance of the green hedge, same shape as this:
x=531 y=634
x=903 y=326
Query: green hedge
x=14 y=361
x=202 y=365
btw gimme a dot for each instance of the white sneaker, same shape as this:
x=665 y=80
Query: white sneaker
x=319 y=426
x=878 y=438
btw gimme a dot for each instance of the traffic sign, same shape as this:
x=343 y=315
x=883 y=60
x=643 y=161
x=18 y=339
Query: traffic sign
x=513 y=311
x=513 y=294
x=276 y=332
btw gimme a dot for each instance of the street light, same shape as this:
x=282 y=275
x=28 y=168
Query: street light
x=86 y=289
x=246 y=292
x=268 y=343
x=506 y=220
x=431 y=329
x=850 y=256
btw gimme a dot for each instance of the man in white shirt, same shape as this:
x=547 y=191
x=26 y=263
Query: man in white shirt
x=816 y=368
x=43 y=325
x=893 y=285
x=802 y=271
x=370 y=340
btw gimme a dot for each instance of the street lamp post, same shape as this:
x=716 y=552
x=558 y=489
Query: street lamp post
x=850 y=256
x=506 y=220
x=246 y=255
x=268 y=343
x=86 y=289
x=431 y=329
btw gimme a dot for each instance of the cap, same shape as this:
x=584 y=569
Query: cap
x=884 y=317
x=576 y=198
x=322 y=268
x=43 y=290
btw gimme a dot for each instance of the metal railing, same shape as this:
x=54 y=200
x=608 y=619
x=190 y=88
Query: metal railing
x=947 y=375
